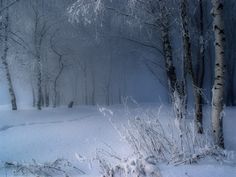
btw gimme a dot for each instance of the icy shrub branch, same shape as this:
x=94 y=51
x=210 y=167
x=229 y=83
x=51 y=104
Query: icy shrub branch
x=155 y=141
x=60 y=168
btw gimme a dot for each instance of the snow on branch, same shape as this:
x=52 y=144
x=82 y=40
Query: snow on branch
x=60 y=168
x=136 y=12
x=85 y=10
x=155 y=141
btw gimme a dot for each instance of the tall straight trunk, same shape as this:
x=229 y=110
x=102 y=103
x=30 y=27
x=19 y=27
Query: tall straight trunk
x=200 y=72
x=218 y=87
x=109 y=81
x=39 y=84
x=120 y=97
x=176 y=88
x=188 y=66
x=5 y=62
x=42 y=98
x=33 y=95
x=46 y=96
x=85 y=87
x=37 y=44
x=187 y=57
x=93 y=94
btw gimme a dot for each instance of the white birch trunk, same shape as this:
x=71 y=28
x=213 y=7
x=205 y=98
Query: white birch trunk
x=218 y=88
x=5 y=62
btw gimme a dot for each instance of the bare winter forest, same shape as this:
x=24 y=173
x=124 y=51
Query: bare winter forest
x=117 y=88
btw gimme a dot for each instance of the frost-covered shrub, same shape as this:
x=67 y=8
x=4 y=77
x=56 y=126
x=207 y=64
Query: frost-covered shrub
x=154 y=140
x=129 y=167
x=59 y=168
x=164 y=141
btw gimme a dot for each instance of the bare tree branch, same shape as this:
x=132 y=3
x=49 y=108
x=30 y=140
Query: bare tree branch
x=9 y=5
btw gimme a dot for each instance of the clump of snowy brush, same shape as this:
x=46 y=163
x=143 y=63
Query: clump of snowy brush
x=128 y=167
x=155 y=141
x=149 y=138
x=59 y=168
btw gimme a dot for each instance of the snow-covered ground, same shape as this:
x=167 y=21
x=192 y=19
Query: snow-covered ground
x=76 y=134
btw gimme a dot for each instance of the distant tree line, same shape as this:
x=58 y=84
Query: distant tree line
x=190 y=44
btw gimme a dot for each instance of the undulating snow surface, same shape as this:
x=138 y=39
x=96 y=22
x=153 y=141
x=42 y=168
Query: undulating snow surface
x=76 y=134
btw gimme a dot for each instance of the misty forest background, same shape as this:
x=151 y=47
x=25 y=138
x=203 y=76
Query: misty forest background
x=57 y=52
x=101 y=61
x=117 y=88
x=87 y=64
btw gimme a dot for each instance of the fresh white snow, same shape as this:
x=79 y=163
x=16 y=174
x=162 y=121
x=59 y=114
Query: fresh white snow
x=76 y=134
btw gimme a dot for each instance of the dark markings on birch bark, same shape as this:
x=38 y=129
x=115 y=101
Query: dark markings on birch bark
x=5 y=62
x=218 y=88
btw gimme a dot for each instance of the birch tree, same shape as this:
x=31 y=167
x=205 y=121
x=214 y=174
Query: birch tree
x=218 y=87
x=188 y=66
x=155 y=15
x=6 y=33
x=40 y=30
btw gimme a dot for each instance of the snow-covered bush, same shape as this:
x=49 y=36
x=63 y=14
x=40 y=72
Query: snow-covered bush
x=150 y=138
x=59 y=168
x=156 y=140
x=128 y=167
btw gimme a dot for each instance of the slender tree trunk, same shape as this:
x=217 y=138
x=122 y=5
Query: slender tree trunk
x=218 y=87
x=43 y=98
x=177 y=92
x=93 y=100
x=187 y=57
x=37 y=45
x=119 y=96
x=46 y=95
x=56 y=95
x=85 y=86
x=188 y=66
x=200 y=73
x=33 y=94
x=109 y=80
x=5 y=63
x=55 y=90
x=40 y=31
x=39 y=84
